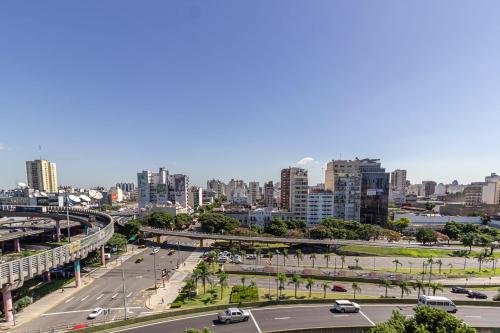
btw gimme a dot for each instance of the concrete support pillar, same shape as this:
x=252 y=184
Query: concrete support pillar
x=7 y=303
x=103 y=258
x=17 y=245
x=201 y=242
x=158 y=239
x=76 y=265
x=58 y=231
x=2 y=245
x=46 y=276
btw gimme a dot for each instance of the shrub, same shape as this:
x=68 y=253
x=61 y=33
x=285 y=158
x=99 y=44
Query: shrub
x=176 y=305
x=244 y=294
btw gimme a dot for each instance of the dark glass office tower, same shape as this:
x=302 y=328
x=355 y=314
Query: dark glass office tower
x=374 y=192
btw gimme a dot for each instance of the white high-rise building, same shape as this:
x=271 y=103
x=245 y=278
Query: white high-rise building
x=152 y=188
x=195 y=197
x=319 y=206
x=42 y=175
x=398 y=179
x=217 y=186
x=269 y=194
x=253 y=193
x=178 y=189
x=294 y=189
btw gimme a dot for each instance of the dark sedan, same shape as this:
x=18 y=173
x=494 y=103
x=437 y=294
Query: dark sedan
x=459 y=290
x=476 y=294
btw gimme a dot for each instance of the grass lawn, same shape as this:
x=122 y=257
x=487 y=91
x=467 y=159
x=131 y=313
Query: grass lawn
x=396 y=251
x=445 y=271
x=247 y=247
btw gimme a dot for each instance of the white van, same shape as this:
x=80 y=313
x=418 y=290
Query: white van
x=439 y=302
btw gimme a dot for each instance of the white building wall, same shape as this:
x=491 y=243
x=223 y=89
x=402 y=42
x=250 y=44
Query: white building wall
x=319 y=207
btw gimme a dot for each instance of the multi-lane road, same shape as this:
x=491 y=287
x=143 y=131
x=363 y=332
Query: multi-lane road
x=106 y=290
x=309 y=316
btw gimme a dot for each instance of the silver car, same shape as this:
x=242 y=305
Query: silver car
x=233 y=315
x=345 y=306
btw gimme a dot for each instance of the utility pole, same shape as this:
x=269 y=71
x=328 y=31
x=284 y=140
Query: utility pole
x=67 y=216
x=124 y=295
x=277 y=274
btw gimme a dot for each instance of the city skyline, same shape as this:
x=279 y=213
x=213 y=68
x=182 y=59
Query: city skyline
x=242 y=90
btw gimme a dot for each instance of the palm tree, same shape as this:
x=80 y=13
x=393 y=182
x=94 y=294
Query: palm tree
x=243 y=279
x=299 y=256
x=269 y=255
x=386 y=284
x=297 y=281
x=309 y=285
x=405 y=288
x=223 y=282
x=355 y=288
x=313 y=258
x=439 y=262
x=282 y=281
x=285 y=256
x=190 y=285
x=204 y=274
x=397 y=263
x=257 y=253
x=481 y=256
x=410 y=264
x=326 y=256
x=325 y=286
x=243 y=255
x=436 y=286
x=420 y=285
x=342 y=258
x=451 y=267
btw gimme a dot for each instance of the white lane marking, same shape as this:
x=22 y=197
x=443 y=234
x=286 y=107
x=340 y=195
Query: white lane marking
x=340 y=315
x=69 y=300
x=472 y=316
x=129 y=294
x=114 y=296
x=100 y=296
x=83 y=299
x=283 y=318
x=292 y=307
x=366 y=317
x=87 y=310
x=255 y=322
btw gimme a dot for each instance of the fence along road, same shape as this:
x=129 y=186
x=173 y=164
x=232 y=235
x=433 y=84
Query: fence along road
x=13 y=273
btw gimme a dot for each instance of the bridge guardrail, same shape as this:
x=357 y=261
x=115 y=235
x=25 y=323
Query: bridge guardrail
x=28 y=267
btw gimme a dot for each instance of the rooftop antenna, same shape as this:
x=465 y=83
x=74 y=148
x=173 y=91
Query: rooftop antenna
x=40 y=150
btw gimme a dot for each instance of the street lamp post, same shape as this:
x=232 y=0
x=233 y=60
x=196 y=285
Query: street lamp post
x=124 y=295
x=67 y=216
x=277 y=274
x=154 y=269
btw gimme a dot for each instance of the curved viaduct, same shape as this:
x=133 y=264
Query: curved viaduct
x=13 y=273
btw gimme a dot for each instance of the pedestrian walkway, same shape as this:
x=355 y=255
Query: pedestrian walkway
x=48 y=302
x=163 y=298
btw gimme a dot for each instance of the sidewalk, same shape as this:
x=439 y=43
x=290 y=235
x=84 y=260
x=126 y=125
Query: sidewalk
x=48 y=302
x=162 y=299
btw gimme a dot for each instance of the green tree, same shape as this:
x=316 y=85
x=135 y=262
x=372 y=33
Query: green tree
x=435 y=286
x=281 y=283
x=216 y=223
x=325 y=286
x=299 y=256
x=182 y=221
x=222 y=282
x=468 y=240
x=118 y=240
x=320 y=232
x=243 y=279
x=400 y=224
x=296 y=280
x=342 y=258
x=439 y=262
x=285 y=256
x=405 y=288
x=203 y=274
x=452 y=230
x=386 y=284
x=195 y=330
x=326 y=256
x=313 y=258
x=190 y=286
x=160 y=220
x=277 y=227
x=258 y=253
x=420 y=286
x=131 y=228
x=397 y=263
x=355 y=289
x=426 y=235
x=256 y=228
x=310 y=285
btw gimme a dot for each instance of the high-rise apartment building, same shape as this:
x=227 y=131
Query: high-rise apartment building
x=195 y=197
x=42 y=175
x=152 y=188
x=429 y=187
x=294 y=188
x=178 y=189
x=398 y=179
x=253 y=193
x=360 y=189
x=217 y=186
x=319 y=206
x=126 y=187
x=269 y=194
x=237 y=191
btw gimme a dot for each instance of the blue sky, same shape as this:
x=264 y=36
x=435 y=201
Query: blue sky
x=243 y=88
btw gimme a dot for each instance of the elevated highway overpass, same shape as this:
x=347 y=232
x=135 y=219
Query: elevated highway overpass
x=13 y=273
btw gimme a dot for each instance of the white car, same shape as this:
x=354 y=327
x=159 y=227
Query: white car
x=345 y=306
x=95 y=313
x=251 y=256
x=155 y=250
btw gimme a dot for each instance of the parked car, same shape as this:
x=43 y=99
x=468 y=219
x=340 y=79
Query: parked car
x=222 y=260
x=237 y=260
x=233 y=315
x=476 y=294
x=95 y=313
x=459 y=290
x=171 y=252
x=251 y=257
x=345 y=306
x=155 y=250
x=138 y=260
x=338 y=287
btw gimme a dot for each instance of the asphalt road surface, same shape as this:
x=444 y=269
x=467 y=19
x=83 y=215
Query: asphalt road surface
x=296 y=317
x=106 y=291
